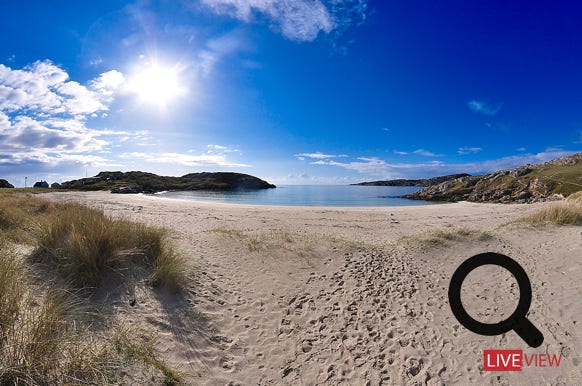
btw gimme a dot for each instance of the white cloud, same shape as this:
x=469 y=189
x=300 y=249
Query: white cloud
x=108 y=82
x=318 y=155
x=43 y=114
x=220 y=48
x=426 y=153
x=300 y=20
x=212 y=149
x=25 y=134
x=44 y=89
x=422 y=152
x=468 y=150
x=484 y=107
x=184 y=159
x=377 y=167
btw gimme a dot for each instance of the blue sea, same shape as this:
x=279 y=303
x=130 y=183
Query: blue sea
x=308 y=195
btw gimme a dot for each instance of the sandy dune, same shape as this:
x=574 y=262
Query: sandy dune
x=353 y=296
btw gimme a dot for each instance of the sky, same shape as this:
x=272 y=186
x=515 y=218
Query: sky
x=291 y=91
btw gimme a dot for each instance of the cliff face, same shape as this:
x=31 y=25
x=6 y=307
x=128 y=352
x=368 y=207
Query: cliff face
x=421 y=182
x=530 y=183
x=141 y=182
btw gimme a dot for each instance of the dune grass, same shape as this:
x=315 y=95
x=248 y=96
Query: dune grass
x=84 y=245
x=46 y=336
x=568 y=212
x=39 y=343
x=143 y=350
x=445 y=236
x=575 y=197
x=18 y=214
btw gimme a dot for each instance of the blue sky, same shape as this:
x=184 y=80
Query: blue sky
x=292 y=91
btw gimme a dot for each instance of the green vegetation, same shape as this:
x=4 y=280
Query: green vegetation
x=47 y=335
x=529 y=183
x=135 y=182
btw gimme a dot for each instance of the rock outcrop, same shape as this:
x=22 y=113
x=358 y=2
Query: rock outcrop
x=421 y=182
x=5 y=184
x=142 y=182
x=530 y=183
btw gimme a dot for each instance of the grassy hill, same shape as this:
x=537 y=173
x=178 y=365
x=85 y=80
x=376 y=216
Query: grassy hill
x=142 y=182
x=529 y=183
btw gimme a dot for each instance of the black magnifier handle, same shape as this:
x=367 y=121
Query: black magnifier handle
x=528 y=332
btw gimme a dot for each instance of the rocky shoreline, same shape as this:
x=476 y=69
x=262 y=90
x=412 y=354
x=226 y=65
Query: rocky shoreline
x=420 y=182
x=552 y=180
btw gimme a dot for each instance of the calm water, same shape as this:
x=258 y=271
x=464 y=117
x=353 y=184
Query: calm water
x=308 y=195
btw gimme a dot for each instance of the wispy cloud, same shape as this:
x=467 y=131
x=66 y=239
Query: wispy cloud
x=319 y=155
x=484 y=107
x=184 y=159
x=426 y=153
x=373 y=166
x=219 y=48
x=422 y=152
x=468 y=150
x=300 y=20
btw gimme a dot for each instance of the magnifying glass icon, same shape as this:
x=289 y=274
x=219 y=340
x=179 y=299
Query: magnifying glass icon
x=517 y=321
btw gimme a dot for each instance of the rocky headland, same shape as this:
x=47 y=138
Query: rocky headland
x=421 y=182
x=545 y=181
x=142 y=182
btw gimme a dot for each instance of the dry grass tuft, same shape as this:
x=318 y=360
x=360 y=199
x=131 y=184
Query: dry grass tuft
x=568 y=212
x=18 y=213
x=84 y=245
x=279 y=240
x=39 y=343
x=12 y=274
x=575 y=197
x=444 y=236
x=143 y=350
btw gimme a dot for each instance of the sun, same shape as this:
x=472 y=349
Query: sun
x=157 y=84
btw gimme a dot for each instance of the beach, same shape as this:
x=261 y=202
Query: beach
x=352 y=296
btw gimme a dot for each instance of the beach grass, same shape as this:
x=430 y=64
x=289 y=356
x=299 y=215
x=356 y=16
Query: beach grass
x=84 y=245
x=568 y=212
x=142 y=350
x=46 y=333
x=575 y=197
x=40 y=343
x=445 y=236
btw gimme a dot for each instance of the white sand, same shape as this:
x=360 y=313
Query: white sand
x=313 y=295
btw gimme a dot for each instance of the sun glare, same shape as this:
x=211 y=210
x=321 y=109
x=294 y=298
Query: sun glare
x=157 y=84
